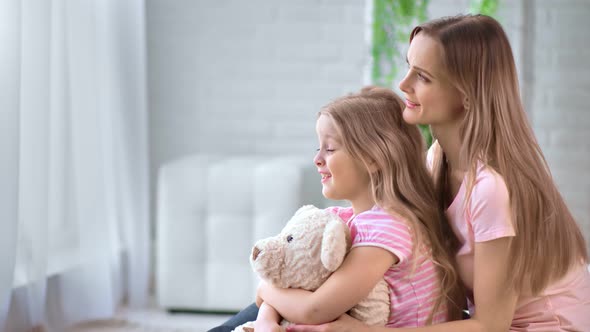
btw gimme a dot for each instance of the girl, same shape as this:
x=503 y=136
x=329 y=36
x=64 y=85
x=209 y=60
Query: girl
x=370 y=157
x=522 y=257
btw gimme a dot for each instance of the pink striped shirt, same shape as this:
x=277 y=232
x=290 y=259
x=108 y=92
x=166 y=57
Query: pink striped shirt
x=413 y=292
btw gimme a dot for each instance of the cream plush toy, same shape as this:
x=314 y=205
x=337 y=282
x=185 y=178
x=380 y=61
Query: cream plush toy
x=309 y=248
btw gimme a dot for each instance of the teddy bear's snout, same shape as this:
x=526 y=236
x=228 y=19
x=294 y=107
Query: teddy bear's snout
x=255 y=253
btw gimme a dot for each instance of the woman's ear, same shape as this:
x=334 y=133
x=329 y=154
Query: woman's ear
x=372 y=167
x=465 y=102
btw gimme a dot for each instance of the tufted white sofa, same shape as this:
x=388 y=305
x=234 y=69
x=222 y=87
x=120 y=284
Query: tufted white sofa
x=210 y=211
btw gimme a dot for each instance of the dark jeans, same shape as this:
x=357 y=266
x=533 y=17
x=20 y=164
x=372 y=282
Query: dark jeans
x=246 y=315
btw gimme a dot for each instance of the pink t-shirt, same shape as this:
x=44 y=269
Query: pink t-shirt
x=563 y=306
x=412 y=293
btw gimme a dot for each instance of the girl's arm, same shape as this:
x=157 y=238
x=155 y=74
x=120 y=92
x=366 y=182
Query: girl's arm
x=495 y=301
x=362 y=268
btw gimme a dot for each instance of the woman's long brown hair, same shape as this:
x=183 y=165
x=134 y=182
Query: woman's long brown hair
x=495 y=132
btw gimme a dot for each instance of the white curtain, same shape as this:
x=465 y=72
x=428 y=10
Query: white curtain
x=74 y=235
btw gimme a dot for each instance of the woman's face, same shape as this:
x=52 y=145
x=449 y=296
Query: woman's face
x=430 y=97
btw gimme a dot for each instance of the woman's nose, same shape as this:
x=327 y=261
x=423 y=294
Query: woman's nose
x=404 y=85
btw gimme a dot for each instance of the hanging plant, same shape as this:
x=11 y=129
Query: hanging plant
x=393 y=20
x=486 y=7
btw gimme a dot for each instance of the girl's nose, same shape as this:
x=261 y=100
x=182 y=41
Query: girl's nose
x=318 y=160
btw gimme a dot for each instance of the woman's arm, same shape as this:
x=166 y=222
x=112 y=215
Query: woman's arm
x=362 y=268
x=495 y=301
x=345 y=323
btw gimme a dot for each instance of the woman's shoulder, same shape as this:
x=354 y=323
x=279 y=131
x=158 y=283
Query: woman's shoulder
x=489 y=182
x=489 y=202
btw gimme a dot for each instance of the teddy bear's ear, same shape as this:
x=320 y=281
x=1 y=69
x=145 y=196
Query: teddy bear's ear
x=335 y=243
x=304 y=209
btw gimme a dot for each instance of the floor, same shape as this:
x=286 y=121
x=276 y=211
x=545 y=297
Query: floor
x=153 y=320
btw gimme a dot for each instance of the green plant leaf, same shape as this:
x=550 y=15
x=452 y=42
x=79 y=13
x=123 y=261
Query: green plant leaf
x=393 y=21
x=486 y=7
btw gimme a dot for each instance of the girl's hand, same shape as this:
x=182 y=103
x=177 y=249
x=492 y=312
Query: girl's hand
x=267 y=326
x=268 y=320
x=344 y=323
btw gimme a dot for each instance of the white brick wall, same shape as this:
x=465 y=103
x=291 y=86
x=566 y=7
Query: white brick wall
x=561 y=94
x=241 y=77
x=231 y=76
x=248 y=76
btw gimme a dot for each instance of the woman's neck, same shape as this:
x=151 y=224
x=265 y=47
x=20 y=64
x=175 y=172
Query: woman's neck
x=450 y=142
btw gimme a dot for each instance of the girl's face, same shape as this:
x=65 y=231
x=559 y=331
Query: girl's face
x=430 y=97
x=343 y=177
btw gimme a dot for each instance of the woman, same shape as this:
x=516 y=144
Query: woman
x=522 y=258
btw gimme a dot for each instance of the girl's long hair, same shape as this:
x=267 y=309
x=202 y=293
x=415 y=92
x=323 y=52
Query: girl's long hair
x=495 y=132
x=373 y=131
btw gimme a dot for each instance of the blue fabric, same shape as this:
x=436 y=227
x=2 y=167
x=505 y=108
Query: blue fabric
x=247 y=314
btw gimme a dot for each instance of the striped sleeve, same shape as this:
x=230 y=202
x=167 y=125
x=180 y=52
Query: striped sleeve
x=376 y=228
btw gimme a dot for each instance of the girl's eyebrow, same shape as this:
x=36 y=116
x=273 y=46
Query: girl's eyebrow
x=328 y=138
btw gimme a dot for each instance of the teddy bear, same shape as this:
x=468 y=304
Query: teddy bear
x=304 y=254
